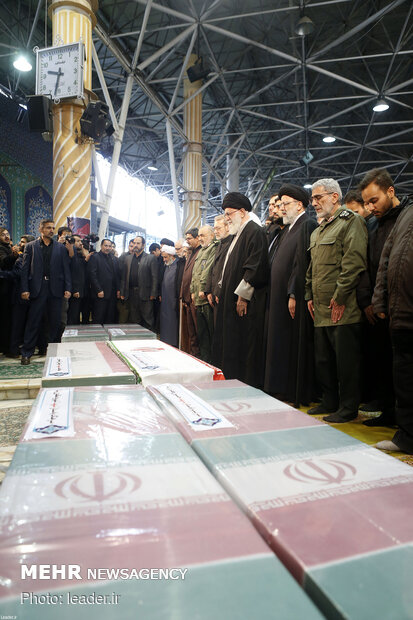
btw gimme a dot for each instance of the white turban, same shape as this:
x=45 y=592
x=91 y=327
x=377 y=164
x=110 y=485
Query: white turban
x=168 y=249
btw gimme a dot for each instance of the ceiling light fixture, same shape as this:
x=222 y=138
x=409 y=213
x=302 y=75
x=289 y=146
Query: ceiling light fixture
x=22 y=64
x=304 y=26
x=381 y=105
x=152 y=166
x=308 y=186
x=329 y=139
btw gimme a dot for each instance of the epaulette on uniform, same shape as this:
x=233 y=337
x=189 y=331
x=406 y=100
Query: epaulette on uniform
x=346 y=214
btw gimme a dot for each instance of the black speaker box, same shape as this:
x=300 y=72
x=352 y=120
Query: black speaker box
x=39 y=111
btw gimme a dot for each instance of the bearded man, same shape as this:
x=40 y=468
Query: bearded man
x=171 y=284
x=238 y=337
x=290 y=351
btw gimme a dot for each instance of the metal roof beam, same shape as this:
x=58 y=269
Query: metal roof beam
x=174 y=42
x=353 y=31
x=270 y=11
x=168 y=11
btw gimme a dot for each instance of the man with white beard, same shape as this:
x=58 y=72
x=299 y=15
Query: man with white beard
x=238 y=337
x=171 y=284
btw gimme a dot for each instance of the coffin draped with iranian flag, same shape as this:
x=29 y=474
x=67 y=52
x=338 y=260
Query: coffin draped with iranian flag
x=95 y=332
x=156 y=362
x=84 y=363
x=337 y=512
x=101 y=479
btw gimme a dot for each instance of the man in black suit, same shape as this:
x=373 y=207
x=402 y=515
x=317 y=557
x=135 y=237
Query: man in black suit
x=103 y=274
x=78 y=273
x=139 y=285
x=45 y=280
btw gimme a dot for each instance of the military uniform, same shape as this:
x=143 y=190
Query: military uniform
x=204 y=313
x=338 y=250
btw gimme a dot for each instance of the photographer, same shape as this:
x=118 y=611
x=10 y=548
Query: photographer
x=78 y=273
x=64 y=236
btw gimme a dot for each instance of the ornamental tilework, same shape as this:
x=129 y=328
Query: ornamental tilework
x=5 y=204
x=38 y=205
x=26 y=192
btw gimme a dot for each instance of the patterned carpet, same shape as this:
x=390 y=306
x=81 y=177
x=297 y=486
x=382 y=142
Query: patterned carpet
x=12 y=369
x=12 y=421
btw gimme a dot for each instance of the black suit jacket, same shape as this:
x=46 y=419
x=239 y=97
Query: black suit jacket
x=78 y=273
x=103 y=272
x=31 y=274
x=148 y=277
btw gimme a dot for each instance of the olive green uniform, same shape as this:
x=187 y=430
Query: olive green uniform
x=204 y=313
x=338 y=250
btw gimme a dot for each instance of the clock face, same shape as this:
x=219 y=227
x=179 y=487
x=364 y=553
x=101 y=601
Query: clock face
x=59 y=72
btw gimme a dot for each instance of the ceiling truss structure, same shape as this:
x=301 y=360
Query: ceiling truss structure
x=270 y=95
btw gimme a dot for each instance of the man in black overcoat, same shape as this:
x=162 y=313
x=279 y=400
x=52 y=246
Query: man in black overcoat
x=238 y=337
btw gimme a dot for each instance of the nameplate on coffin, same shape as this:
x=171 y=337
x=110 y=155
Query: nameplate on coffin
x=199 y=414
x=117 y=332
x=53 y=415
x=59 y=367
x=71 y=332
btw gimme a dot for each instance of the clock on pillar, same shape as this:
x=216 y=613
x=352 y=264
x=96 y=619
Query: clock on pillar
x=59 y=71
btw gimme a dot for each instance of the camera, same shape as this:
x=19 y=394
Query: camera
x=69 y=239
x=89 y=242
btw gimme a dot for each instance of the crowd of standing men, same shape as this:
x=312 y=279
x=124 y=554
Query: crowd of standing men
x=307 y=308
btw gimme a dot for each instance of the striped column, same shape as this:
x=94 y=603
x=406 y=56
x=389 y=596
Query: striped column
x=193 y=153
x=72 y=21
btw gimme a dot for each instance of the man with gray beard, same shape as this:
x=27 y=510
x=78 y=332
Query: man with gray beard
x=221 y=231
x=289 y=359
x=171 y=284
x=204 y=313
x=238 y=337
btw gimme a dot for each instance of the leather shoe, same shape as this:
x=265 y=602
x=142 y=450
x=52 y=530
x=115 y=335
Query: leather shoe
x=318 y=409
x=25 y=361
x=382 y=420
x=339 y=419
x=370 y=407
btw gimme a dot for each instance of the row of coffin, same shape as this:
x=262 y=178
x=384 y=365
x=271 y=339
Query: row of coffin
x=127 y=486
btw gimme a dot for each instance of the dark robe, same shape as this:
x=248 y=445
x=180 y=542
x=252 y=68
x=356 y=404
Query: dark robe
x=169 y=307
x=7 y=260
x=289 y=352
x=238 y=341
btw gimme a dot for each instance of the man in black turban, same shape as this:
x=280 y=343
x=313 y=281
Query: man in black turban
x=238 y=337
x=289 y=356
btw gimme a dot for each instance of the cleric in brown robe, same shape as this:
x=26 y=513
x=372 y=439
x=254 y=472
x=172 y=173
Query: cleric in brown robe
x=290 y=356
x=238 y=337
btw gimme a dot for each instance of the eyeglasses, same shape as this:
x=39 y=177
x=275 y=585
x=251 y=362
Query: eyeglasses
x=228 y=214
x=318 y=197
x=285 y=204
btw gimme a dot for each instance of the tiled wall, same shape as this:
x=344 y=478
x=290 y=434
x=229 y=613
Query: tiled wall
x=26 y=166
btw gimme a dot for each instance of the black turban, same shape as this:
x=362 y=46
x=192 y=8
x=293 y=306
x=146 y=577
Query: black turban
x=296 y=192
x=235 y=200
